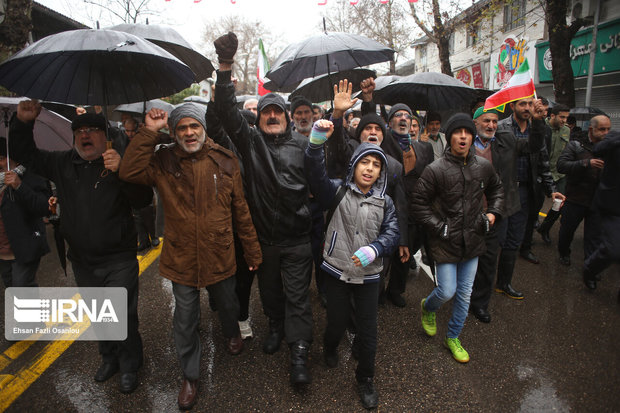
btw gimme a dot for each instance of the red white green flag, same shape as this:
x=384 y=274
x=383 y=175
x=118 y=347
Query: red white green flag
x=520 y=86
x=262 y=69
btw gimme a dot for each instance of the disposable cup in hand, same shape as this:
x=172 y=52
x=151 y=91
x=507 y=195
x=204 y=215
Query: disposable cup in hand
x=556 y=204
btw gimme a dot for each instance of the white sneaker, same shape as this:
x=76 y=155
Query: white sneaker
x=245 y=329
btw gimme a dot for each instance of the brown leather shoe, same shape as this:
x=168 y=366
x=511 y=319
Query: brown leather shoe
x=188 y=394
x=235 y=345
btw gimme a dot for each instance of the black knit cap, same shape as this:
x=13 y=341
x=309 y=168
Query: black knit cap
x=457 y=121
x=271 y=99
x=396 y=108
x=88 y=119
x=368 y=119
x=300 y=101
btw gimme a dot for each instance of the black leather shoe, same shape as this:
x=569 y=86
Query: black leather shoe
x=273 y=340
x=331 y=357
x=544 y=234
x=509 y=292
x=299 y=359
x=481 y=314
x=128 y=382
x=565 y=260
x=105 y=371
x=368 y=394
x=589 y=280
x=397 y=299
x=529 y=257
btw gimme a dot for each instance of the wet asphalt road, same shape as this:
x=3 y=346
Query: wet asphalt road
x=553 y=351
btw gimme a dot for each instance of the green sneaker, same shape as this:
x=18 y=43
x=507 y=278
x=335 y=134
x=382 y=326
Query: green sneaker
x=458 y=352
x=428 y=321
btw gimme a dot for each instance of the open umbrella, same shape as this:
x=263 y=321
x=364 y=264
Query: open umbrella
x=94 y=67
x=326 y=53
x=169 y=39
x=586 y=112
x=197 y=99
x=52 y=132
x=380 y=83
x=321 y=88
x=427 y=91
x=140 y=108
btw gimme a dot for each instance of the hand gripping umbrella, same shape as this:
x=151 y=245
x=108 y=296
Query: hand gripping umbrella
x=94 y=67
x=325 y=53
x=170 y=40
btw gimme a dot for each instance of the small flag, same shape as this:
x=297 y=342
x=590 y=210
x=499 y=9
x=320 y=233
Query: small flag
x=261 y=69
x=520 y=86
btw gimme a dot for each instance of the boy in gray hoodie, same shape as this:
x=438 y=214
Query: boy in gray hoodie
x=361 y=227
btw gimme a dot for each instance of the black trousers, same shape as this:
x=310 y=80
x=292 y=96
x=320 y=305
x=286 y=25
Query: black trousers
x=487 y=268
x=19 y=274
x=608 y=250
x=532 y=217
x=283 y=281
x=572 y=215
x=398 y=269
x=364 y=297
x=128 y=353
x=244 y=278
x=317 y=239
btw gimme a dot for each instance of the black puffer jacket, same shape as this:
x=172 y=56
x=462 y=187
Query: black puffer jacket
x=581 y=178
x=277 y=191
x=450 y=193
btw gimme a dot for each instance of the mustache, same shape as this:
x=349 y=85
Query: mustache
x=273 y=121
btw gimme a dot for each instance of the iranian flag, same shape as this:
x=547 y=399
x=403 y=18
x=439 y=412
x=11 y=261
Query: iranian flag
x=520 y=86
x=261 y=69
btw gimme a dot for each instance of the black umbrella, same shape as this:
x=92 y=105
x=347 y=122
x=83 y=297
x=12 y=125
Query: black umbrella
x=326 y=53
x=381 y=82
x=321 y=88
x=169 y=39
x=586 y=112
x=427 y=91
x=94 y=67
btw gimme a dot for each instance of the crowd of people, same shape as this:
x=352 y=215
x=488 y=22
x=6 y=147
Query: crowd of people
x=284 y=195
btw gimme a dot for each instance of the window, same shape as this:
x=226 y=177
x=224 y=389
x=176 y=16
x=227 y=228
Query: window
x=451 y=43
x=514 y=13
x=422 y=59
x=473 y=35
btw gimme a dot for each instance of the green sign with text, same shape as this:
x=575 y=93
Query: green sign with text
x=607 y=52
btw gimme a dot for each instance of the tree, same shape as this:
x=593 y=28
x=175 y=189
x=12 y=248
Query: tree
x=126 y=10
x=14 y=30
x=248 y=32
x=560 y=36
x=443 y=27
x=178 y=97
x=388 y=23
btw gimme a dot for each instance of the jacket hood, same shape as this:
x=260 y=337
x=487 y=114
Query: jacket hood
x=362 y=150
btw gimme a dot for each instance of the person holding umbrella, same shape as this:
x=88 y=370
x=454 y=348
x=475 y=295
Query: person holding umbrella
x=95 y=220
x=279 y=199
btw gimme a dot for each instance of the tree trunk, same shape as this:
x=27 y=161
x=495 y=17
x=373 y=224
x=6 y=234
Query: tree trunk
x=560 y=36
x=15 y=27
x=444 y=54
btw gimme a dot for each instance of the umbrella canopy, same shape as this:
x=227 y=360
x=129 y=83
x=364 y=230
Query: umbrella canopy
x=321 y=88
x=94 y=67
x=140 y=108
x=426 y=91
x=170 y=40
x=197 y=99
x=586 y=112
x=52 y=132
x=326 y=53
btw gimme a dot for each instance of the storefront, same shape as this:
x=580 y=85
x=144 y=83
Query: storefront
x=606 y=80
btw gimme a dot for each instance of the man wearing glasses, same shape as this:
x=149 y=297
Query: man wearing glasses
x=95 y=220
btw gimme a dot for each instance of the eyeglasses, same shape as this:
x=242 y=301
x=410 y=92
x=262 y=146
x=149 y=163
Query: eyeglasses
x=86 y=130
x=403 y=115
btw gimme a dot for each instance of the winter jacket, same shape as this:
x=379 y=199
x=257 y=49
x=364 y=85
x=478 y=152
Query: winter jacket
x=359 y=219
x=581 y=179
x=277 y=189
x=448 y=201
x=555 y=141
x=202 y=195
x=539 y=180
x=607 y=196
x=22 y=210
x=96 y=219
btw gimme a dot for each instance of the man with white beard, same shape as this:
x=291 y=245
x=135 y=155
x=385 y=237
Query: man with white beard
x=301 y=110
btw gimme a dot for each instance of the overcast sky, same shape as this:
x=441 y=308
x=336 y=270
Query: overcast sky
x=290 y=20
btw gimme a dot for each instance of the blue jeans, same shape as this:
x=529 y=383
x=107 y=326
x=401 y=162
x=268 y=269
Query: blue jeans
x=453 y=279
